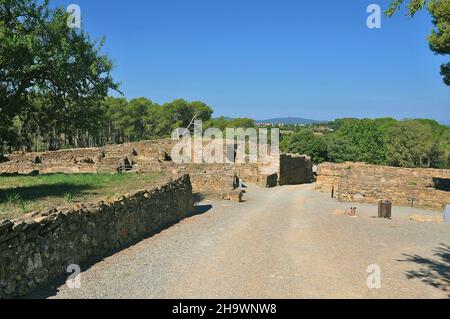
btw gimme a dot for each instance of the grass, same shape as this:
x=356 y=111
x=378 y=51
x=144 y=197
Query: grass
x=22 y=194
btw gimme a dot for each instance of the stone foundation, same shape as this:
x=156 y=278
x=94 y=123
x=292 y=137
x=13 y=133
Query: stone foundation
x=359 y=182
x=40 y=246
x=151 y=156
x=295 y=169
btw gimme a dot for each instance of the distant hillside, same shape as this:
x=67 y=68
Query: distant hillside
x=290 y=121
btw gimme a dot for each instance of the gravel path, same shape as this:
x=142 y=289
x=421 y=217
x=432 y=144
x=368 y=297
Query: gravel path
x=281 y=243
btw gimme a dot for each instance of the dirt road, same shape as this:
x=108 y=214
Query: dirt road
x=281 y=243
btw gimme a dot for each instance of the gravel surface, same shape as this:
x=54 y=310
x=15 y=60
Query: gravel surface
x=286 y=242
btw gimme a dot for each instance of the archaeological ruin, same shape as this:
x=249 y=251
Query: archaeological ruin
x=154 y=156
x=38 y=247
x=359 y=182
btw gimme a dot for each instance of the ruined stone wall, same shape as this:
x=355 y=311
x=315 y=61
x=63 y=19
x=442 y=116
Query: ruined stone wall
x=40 y=246
x=209 y=179
x=295 y=169
x=64 y=161
x=146 y=156
x=155 y=156
x=370 y=183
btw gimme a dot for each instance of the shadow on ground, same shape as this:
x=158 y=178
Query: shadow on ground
x=51 y=289
x=433 y=271
x=36 y=192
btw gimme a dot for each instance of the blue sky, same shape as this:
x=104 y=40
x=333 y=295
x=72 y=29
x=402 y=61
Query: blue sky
x=264 y=59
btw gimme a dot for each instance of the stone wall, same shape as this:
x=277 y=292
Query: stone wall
x=359 y=182
x=65 y=161
x=145 y=155
x=40 y=246
x=151 y=156
x=295 y=169
x=209 y=178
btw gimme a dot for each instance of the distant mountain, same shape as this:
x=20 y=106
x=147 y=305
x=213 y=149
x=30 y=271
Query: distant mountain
x=290 y=121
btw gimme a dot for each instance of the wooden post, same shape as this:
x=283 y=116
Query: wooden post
x=332 y=191
x=412 y=200
x=385 y=209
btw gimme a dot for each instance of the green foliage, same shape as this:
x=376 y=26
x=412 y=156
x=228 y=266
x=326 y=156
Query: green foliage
x=223 y=123
x=306 y=142
x=404 y=144
x=440 y=37
x=413 y=7
x=12 y=199
x=358 y=140
x=407 y=143
x=140 y=118
x=68 y=198
x=24 y=206
x=52 y=78
x=418 y=143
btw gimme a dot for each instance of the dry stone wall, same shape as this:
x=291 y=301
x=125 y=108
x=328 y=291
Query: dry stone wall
x=154 y=156
x=211 y=178
x=40 y=246
x=65 y=161
x=359 y=182
x=295 y=169
x=146 y=156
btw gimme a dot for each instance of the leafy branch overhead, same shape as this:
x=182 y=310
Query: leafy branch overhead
x=439 y=40
x=413 y=7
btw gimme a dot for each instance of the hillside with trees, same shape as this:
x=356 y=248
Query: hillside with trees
x=384 y=141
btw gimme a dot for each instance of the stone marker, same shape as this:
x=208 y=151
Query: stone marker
x=447 y=215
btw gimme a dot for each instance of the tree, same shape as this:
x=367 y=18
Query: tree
x=439 y=40
x=177 y=114
x=440 y=37
x=305 y=142
x=241 y=122
x=358 y=140
x=49 y=70
x=405 y=144
x=417 y=143
x=136 y=115
x=115 y=119
x=20 y=25
x=413 y=7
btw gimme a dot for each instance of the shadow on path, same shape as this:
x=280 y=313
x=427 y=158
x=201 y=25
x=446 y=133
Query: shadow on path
x=433 y=271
